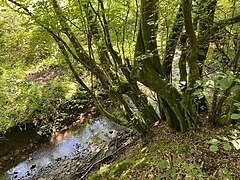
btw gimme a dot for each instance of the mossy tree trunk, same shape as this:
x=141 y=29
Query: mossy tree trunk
x=179 y=113
x=119 y=75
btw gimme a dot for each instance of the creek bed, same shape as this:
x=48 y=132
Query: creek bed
x=60 y=159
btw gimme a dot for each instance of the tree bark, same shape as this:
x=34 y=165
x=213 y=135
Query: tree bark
x=172 y=43
x=192 y=59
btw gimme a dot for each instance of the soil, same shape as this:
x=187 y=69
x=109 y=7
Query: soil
x=192 y=148
x=161 y=143
x=17 y=143
x=46 y=74
x=197 y=149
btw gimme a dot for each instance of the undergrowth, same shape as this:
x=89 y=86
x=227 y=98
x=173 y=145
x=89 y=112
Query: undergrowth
x=183 y=158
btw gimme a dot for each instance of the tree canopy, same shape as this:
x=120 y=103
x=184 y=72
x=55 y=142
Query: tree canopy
x=183 y=54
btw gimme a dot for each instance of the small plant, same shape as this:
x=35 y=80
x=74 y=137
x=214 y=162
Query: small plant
x=224 y=173
x=164 y=164
x=224 y=142
x=214 y=145
x=236 y=116
x=177 y=168
x=192 y=171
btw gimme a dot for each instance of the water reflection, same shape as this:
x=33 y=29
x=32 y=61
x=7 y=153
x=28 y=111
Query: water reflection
x=89 y=140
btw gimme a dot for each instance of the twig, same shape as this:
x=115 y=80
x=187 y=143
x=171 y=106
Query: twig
x=89 y=168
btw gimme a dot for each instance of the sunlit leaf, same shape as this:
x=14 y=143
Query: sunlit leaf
x=225 y=171
x=237 y=104
x=163 y=164
x=187 y=168
x=227 y=146
x=235 y=116
x=223 y=138
x=214 y=141
x=236 y=143
x=213 y=148
x=177 y=161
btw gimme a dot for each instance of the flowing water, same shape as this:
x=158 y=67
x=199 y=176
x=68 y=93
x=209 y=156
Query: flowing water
x=75 y=145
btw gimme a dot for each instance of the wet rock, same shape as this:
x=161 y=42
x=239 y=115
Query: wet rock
x=33 y=166
x=58 y=159
x=28 y=173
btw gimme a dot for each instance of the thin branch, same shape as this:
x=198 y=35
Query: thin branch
x=109 y=46
x=49 y=31
x=124 y=33
x=136 y=20
x=218 y=26
x=22 y=7
x=89 y=168
x=79 y=80
x=216 y=110
x=107 y=34
x=236 y=67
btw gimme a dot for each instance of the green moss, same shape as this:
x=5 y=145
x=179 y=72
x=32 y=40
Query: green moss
x=119 y=168
x=140 y=160
x=97 y=175
x=181 y=148
x=94 y=176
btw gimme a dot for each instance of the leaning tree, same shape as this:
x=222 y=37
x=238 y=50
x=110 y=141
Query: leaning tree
x=125 y=43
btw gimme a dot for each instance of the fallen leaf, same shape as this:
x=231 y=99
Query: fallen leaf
x=236 y=143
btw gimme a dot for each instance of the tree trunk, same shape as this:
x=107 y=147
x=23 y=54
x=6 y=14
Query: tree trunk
x=172 y=43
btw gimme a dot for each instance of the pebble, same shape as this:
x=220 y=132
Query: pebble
x=33 y=166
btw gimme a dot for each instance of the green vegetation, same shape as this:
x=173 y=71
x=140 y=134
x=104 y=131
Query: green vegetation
x=35 y=83
x=59 y=57
x=177 y=159
x=225 y=142
x=91 y=37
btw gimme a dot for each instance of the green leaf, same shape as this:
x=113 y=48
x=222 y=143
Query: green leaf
x=214 y=141
x=235 y=132
x=163 y=164
x=177 y=161
x=191 y=166
x=227 y=146
x=225 y=170
x=173 y=172
x=187 y=168
x=213 y=148
x=237 y=104
x=223 y=138
x=235 y=116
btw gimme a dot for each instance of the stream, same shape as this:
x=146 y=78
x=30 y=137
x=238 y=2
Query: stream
x=61 y=159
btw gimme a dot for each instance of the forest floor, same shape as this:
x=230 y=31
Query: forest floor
x=205 y=153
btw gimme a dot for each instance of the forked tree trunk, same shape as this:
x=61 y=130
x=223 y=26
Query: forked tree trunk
x=179 y=113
